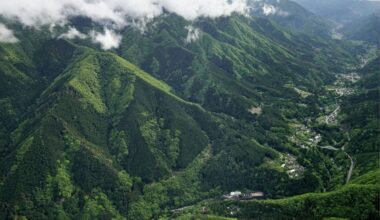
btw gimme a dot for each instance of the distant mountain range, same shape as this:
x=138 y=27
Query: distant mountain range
x=342 y=11
x=365 y=29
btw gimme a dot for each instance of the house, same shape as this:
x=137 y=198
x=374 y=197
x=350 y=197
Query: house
x=257 y=194
x=253 y=195
x=237 y=195
x=232 y=195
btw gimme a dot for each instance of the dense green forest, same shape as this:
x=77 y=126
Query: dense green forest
x=359 y=199
x=161 y=127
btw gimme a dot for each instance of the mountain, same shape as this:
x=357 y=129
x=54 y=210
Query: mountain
x=183 y=112
x=233 y=56
x=292 y=16
x=359 y=121
x=365 y=29
x=100 y=116
x=341 y=11
x=363 y=131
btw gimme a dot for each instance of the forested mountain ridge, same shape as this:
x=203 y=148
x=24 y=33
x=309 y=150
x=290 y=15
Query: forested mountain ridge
x=293 y=16
x=365 y=29
x=341 y=11
x=182 y=113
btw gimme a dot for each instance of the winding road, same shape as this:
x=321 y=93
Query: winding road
x=349 y=174
x=329 y=119
x=332 y=117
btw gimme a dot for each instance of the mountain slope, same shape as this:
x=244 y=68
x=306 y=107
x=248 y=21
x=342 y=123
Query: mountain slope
x=366 y=29
x=362 y=120
x=182 y=112
x=341 y=11
x=100 y=116
x=292 y=16
x=358 y=198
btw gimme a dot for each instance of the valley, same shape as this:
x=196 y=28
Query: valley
x=306 y=138
x=244 y=110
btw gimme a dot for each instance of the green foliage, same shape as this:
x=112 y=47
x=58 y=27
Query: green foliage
x=182 y=189
x=352 y=202
x=360 y=114
x=140 y=210
x=372 y=177
x=155 y=66
x=142 y=75
x=203 y=217
x=63 y=180
x=368 y=25
x=98 y=206
x=162 y=142
x=86 y=134
x=88 y=85
x=118 y=144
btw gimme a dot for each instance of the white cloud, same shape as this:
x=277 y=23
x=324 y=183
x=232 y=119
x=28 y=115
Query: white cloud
x=268 y=9
x=113 y=14
x=107 y=40
x=42 y=12
x=193 y=9
x=6 y=35
x=192 y=34
x=73 y=33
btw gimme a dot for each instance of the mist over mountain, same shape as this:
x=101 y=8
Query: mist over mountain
x=365 y=29
x=112 y=15
x=191 y=109
x=343 y=11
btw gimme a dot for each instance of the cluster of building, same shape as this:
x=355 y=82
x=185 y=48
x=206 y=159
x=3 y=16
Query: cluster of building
x=316 y=139
x=344 y=91
x=237 y=195
x=291 y=166
x=331 y=118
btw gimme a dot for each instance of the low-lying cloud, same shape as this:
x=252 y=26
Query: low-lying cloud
x=73 y=33
x=268 y=9
x=192 y=34
x=6 y=35
x=119 y=12
x=114 y=14
x=107 y=40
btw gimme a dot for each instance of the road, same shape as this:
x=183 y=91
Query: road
x=349 y=174
x=330 y=148
x=352 y=164
x=331 y=117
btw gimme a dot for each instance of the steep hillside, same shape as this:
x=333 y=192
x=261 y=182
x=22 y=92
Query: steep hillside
x=293 y=16
x=341 y=11
x=358 y=121
x=102 y=116
x=264 y=77
x=366 y=29
x=361 y=118
x=183 y=112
